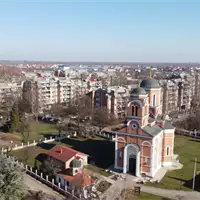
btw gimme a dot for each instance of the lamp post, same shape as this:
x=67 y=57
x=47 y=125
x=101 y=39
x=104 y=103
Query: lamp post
x=195 y=166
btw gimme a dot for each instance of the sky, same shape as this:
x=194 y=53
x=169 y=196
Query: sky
x=100 y=31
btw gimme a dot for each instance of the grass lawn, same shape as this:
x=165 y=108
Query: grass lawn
x=146 y=196
x=40 y=130
x=187 y=148
x=28 y=155
x=98 y=170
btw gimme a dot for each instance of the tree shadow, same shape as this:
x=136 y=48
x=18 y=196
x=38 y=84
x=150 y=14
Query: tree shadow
x=194 y=140
x=198 y=162
x=41 y=157
x=46 y=146
x=189 y=183
x=100 y=151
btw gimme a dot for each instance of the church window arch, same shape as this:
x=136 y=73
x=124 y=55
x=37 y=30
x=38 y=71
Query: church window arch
x=136 y=110
x=154 y=100
x=133 y=110
x=120 y=139
x=168 y=151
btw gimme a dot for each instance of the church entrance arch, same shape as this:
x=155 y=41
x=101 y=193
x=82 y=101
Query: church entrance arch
x=131 y=162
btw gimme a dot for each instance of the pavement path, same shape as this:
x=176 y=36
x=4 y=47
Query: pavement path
x=35 y=185
x=115 y=190
x=173 y=194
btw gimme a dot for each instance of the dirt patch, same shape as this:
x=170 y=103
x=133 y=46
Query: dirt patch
x=6 y=138
x=127 y=194
x=103 y=186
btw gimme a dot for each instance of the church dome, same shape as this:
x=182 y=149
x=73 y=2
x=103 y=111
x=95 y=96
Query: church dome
x=138 y=91
x=149 y=83
x=75 y=163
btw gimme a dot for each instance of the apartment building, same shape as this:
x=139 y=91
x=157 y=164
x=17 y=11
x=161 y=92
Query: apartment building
x=41 y=93
x=169 y=96
x=64 y=91
x=113 y=98
x=10 y=90
x=184 y=95
x=78 y=88
x=117 y=101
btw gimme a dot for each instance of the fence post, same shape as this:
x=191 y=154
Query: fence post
x=26 y=167
x=15 y=146
x=41 y=175
x=36 y=172
x=52 y=181
x=73 y=192
x=59 y=184
x=34 y=142
x=65 y=188
x=2 y=150
x=22 y=145
x=31 y=169
x=28 y=143
x=47 y=178
x=50 y=137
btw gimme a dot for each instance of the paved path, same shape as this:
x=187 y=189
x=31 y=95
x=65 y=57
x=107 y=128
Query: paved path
x=173 y=194
x=38 y=186
x=115 y=190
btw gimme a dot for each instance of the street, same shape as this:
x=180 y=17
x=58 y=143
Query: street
x=35 y=185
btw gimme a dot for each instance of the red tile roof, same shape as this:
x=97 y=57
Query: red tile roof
x=63 y=153
x=80 y=179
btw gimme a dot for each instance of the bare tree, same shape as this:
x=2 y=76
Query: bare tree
x=101 y=118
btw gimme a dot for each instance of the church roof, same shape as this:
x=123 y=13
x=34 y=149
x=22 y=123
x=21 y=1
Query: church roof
x=152 y=130
x=149 y=83
x=168 y=125
x=138 y=91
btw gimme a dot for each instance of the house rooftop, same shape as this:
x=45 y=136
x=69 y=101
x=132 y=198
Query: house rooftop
x=81 y=179
x=63 y=153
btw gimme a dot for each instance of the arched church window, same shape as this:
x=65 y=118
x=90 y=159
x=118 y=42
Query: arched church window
x=133 y=110
x=136 y=111
x=120 y=155
x=168 y=150
x=154 y=100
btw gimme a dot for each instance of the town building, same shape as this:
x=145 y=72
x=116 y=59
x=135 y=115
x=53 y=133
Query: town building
x=169 y=96
x=10 y=91
x=145 y=143
x=70 y=163
x=114 y=99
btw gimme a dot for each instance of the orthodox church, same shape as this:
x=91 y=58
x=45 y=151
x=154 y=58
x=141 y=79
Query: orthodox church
x=146 y=141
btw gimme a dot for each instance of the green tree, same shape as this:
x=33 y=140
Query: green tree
x=49 y=168
x=11 y=180
x=15 y=118
x=25 y=130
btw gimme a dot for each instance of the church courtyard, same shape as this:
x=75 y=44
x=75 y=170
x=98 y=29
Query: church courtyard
x=100 y=151
x=101 y=154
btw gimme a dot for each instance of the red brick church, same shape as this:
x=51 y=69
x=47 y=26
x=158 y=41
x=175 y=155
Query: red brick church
x=146 y=141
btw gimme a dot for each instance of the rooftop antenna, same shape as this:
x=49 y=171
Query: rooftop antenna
x=150 y=72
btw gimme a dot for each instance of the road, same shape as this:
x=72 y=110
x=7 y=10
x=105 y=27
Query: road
x=35 y=185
